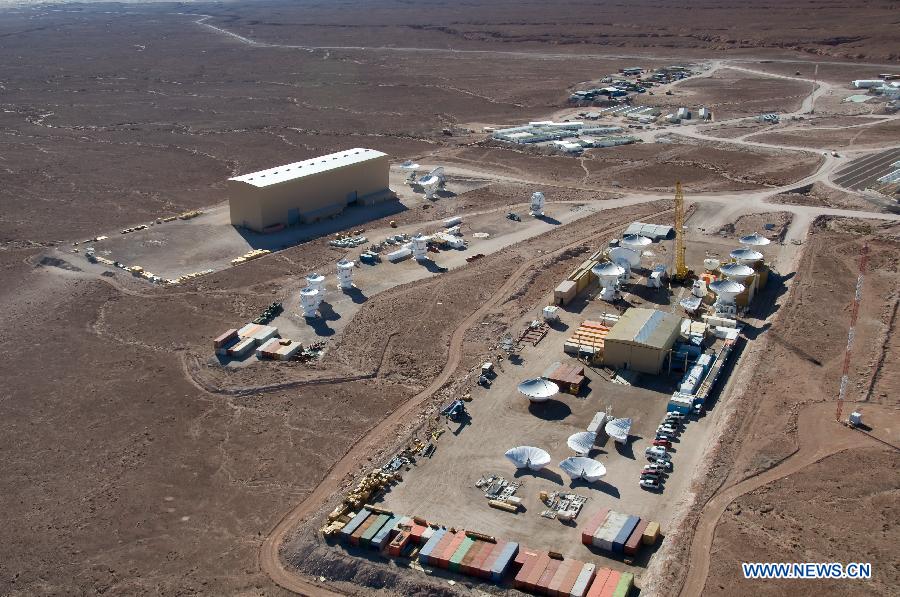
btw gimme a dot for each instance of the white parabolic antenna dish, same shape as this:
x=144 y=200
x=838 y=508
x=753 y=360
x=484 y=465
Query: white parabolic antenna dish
x=607 y=270
x=625 y=255
x=755 y=240
x=711 y=264
x=579 y=467
x=538 y=390
x=635 y=241
x=618 y=429
x=582 y=442
x=746 y=255
x=528 y=457
x=409 y=165
x=738 y=271
x=726 y=288
x=315 y=279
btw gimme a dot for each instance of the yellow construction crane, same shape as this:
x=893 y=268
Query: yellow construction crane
x=681 y=273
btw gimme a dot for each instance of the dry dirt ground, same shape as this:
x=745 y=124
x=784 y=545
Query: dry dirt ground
x=847 y=138
x=121 y=476
x=757 y=223
x=825 y=196
x=798 y=362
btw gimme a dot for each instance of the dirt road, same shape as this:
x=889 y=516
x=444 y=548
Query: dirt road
x=819 y=437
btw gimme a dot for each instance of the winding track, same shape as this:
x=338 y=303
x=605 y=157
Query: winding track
x=818 y=438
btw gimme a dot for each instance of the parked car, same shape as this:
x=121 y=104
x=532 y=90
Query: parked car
x=666 y=429
x=650 y=484
x=666 y=436
x=657 y=452
x=674 y=415
x=664 y=463
x=653 y=469
x=662 y=442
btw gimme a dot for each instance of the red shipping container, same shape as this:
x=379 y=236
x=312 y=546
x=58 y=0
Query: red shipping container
x=561 y=573
x=416 y=533
x=488 y=559
x=443 y=560
x=607 y=588
x=395 y=548
x=593 y=523
x=465 y=565
x=634 y=541
x=600 y=578
x=543 y=582
x=439 y=548
x=568 y=581
x=535 y=575
x=531 y=558
x=354 y=538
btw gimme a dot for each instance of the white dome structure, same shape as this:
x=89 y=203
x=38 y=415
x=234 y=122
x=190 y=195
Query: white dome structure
x=583 y=442
x=618 y=429
x=528 y=457
x=538 y=389
x=625 y=258
x=726 y=291
x=754 y=240
x=309 y=301
x=537 y=204
x=419 y=247
x=635 y=241
x=345 y=274
x=736 y=271
x=746 y=256
x=578 y=467
x=608 y=273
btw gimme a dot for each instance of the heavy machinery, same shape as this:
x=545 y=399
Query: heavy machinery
x=681 y=273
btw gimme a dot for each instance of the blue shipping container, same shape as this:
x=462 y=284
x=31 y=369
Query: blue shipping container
x=502 y=562
x=624 y=534
x=382 y=537
x=425 y=552
x=354 y=523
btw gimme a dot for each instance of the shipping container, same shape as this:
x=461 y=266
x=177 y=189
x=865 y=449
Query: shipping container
x=242 y=348
x=543 y=583
x=626 y=581
x=416 y=532
x=651 y=533
x=225 y=338
x=605 y=535
x=586 y=578
x=537 y=570
x=443 y=560
x=354 y=538
x=383 y=536
x=561 y=573
x=618 y=544
x=398 y=544
x=593 y=523
x=425 y=552
x=634 y=541
x=465 y=566
x=484 y=567
x=460 y=553
x=440 y=548
x=354 y=523
x=606 y=588
x=502 y=562
x=530 y=558
x=380 y=520
x=568 y=581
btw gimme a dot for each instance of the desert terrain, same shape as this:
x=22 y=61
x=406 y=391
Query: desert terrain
x=136 y=463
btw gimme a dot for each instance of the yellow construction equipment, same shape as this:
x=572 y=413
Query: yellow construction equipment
x=681 y=272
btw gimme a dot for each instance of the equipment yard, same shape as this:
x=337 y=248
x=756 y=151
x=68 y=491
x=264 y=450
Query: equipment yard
x=383 y=299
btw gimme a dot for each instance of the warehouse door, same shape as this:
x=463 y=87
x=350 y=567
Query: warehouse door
x=293 y=217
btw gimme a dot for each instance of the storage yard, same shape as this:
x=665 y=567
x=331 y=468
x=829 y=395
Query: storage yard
x=353 y=303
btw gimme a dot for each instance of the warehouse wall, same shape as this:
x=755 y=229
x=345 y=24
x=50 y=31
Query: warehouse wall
x=637 y=358
x=314 y=197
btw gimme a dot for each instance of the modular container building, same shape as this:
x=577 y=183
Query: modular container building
x=618 y=544
x=428 y=548
x=310 y=190
x=565 y=292
x=354 y=523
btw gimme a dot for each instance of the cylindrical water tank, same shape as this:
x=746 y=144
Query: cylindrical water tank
x=419 y=247
x=309 y=301
x=345 y=273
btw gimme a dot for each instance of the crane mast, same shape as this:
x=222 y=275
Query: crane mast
x=681 y=270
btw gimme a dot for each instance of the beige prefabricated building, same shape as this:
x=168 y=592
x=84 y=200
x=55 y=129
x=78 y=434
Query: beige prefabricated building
x=641 y=340
x=308 y=191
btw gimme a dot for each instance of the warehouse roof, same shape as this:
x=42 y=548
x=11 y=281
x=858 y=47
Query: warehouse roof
x=279 y=174
x=647 y=327
x=652 y=231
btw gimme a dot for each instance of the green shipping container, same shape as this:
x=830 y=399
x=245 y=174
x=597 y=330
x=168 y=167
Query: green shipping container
x=460 y=553
x=366 y=538
x=624 y=586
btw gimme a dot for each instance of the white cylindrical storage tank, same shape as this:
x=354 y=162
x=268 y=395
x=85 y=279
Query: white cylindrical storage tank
x=309 y=301
x=315 y=280
x=419 y=247
x=537 y=204
x=345 y=274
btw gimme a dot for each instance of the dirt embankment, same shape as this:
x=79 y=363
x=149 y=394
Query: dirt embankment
x=773 y=225
x=825 y=196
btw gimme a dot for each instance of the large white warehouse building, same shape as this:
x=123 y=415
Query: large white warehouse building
x=310 y=190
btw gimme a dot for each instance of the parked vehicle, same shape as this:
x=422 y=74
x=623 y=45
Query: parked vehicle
x=674 y=415
x=664 y=463
x=665 y=436
x=650 y=484
x=662 y=442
